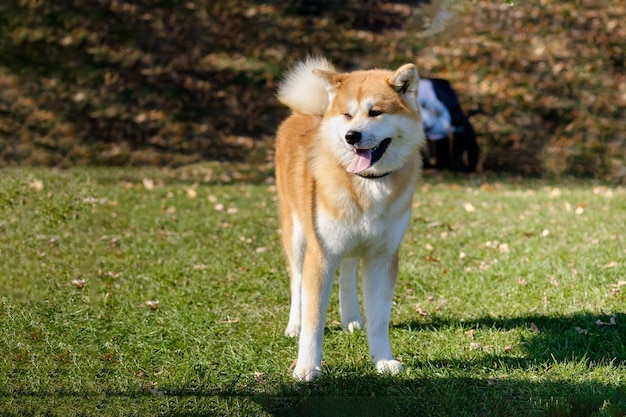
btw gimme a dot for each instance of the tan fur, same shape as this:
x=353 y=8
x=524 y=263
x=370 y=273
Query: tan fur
x=315 y=188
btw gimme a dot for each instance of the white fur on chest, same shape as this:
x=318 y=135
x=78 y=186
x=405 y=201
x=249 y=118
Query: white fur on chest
x=378 y=228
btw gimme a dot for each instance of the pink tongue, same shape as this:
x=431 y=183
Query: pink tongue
x=361 y=161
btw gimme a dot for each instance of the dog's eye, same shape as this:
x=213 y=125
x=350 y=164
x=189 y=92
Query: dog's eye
x=348 y=116
x=374 y=113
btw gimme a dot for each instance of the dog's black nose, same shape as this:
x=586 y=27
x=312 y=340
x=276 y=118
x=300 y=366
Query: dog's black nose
x=353 y=137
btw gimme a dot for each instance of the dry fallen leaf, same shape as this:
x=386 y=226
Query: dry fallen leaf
x=79 y=284
x=483 y=266
x=229 y=320
x=420 y=310
x=534 y=328
x=108 y=274
x=469 y=207
x=603 y=191
x=611 y=264
x=37 y=185
x=434 y=224
x=148 y=184
x=616 y=288
x=554 y=193
x=429 y=258
x=612 y=322
x=258 y=378
x=191 y=192
x=553 y=281
x=153 y=305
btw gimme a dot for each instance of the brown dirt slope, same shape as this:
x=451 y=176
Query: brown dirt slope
x=170 y=82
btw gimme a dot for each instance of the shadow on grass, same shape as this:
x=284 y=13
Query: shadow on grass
x=358 y=396
x=463 y=396
x=577 y=339
x=446 y=387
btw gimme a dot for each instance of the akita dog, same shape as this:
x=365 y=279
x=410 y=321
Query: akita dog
x=347 y=163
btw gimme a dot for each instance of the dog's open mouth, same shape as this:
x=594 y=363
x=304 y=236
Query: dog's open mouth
x=365 y=158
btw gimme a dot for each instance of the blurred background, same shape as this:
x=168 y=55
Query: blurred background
x=171 y=83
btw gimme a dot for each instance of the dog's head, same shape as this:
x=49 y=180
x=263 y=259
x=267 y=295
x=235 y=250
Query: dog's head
x=372 y=122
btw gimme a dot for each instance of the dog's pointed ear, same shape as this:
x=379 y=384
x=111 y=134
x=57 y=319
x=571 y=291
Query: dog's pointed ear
x=331 y=81
x=405 y=80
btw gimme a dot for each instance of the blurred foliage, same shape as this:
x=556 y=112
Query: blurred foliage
x=170 y=82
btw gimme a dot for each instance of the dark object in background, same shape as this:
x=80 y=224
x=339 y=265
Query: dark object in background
x=450 y=155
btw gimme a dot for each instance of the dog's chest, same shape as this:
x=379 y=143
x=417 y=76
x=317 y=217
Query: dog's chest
x=352 y=229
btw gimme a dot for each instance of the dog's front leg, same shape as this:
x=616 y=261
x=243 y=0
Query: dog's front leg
x=317 y=281
x=348 y=297
x=379 y=279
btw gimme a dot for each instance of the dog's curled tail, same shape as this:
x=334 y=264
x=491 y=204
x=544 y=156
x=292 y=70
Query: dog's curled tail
x=301 y=90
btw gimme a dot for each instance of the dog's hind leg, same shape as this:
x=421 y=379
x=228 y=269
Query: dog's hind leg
x=295 y=245
x=379 y=279
x=348 y=297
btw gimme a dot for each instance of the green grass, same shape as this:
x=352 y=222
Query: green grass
x=148 y=293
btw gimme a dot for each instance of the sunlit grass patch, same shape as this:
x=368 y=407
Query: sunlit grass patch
x=168 y=291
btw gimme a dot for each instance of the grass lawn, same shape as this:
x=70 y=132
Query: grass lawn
x=152 y=292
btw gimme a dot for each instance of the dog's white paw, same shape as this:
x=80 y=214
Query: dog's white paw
x=292 y=330
x=354 y=326
x=306 y=374
x=392 y=366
